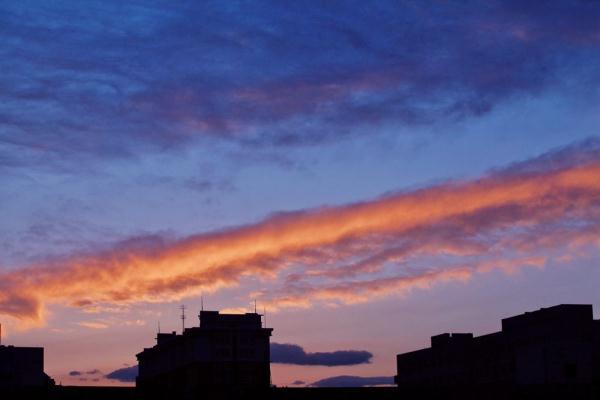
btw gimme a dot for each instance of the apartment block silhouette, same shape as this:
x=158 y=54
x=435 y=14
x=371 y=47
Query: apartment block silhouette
x=225 y=352
x=22 y=367
x=558 y=345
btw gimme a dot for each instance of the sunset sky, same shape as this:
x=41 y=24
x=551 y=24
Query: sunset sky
x=372 y=173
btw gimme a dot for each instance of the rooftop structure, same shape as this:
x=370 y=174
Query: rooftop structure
x=224 y=351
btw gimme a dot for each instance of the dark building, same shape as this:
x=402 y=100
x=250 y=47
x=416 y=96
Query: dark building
x=227 y=352
x=556 y=346
x=22 y=367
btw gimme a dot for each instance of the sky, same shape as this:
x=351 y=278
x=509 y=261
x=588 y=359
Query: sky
x=371 y=173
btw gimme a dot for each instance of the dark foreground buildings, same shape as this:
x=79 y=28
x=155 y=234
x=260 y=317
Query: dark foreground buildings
x=22 y=368
x=554 y=347
x=552 y=353
x=226 y=353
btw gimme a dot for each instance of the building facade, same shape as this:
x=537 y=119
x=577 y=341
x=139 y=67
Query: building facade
x=23 y=367
x=551 y=346
x=225 y=352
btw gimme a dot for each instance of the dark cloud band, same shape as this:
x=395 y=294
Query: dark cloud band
x=127 y=374
x=293 y=354
x=354 y=381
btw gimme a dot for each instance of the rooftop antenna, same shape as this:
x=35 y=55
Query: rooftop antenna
x=265 y=313
x=254 y=306
x=182 y=308
x=0 y=334
x=201 y=302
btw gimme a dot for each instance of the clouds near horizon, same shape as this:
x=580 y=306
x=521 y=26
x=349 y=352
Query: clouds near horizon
x=286 y=353
x=354 y=381
x=127 y=374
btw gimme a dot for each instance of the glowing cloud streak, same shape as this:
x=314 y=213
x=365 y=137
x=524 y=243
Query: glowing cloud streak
x=352 y=247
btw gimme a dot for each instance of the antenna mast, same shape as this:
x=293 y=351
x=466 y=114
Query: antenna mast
x=201 y=302
x=254 y=306
x=265 y=313
x=182 y=308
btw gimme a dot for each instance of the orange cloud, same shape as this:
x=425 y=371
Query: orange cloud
x=375 y=246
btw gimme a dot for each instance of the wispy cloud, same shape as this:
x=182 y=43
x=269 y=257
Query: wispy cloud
x=258 y=75
x=93 y=372
x=93 y=324
x=90 y=372
x=519 y=216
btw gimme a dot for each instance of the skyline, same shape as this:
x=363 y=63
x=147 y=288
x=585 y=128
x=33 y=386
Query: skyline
x=370 y=175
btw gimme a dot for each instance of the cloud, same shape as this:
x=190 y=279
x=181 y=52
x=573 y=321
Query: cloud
x=354 y=381
x=93 y=325
x=298 y=382
x=208 y=185
x=285 y=353
x=80 y=373
x=93 y=372
x=127 y=374
x=393 y=64
x=521 y=216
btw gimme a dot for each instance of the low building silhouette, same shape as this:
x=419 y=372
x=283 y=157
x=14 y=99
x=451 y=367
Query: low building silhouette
x=225 y=353
x=23 y=368
x=555 y=346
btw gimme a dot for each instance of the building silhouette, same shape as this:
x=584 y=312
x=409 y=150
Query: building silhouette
x=22 y=368
x=550 y=347
x=226 y=352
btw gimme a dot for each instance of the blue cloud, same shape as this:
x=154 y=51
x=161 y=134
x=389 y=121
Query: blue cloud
x=354 y=381
x=127 y=374
x=163 y=75
x=294 y=354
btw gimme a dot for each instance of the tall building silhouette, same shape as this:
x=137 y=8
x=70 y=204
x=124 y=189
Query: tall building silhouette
x=22 y=368
x=225 y=352
x=558 y=345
